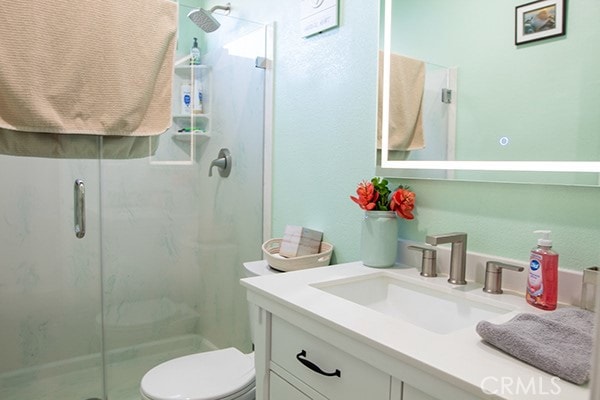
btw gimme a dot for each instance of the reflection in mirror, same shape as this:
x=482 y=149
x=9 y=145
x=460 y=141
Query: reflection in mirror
x=531 y=107
x=420 y=110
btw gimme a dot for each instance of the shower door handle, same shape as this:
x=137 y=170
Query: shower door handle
x=79 y=206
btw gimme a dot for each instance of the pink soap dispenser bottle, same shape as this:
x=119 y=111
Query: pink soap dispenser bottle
x=542 y=282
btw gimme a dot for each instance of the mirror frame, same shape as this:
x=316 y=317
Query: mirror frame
x=533 y=166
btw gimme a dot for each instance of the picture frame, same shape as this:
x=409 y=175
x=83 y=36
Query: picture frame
x=540 y=20
x=317 y=16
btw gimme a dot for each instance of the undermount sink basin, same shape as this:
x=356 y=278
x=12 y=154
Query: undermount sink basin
x=436 y=310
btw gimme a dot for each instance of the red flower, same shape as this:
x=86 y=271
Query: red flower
x=367 y=196
x=376 y=196
x=403 y=203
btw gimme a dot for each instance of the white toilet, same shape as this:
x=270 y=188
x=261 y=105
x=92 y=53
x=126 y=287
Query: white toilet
x=225 y=374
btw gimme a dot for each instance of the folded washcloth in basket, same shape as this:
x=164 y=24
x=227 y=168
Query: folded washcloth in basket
x=559 y=342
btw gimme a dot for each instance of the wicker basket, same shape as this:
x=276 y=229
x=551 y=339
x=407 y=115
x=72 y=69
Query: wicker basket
x=270 y=249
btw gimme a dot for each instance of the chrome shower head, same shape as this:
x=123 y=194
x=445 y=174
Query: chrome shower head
x=205 y=20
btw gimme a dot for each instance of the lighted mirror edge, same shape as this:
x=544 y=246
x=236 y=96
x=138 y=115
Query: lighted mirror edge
x=534 y=166
x=385 y=110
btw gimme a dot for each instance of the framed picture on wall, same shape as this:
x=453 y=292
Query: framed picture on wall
x=540 y=20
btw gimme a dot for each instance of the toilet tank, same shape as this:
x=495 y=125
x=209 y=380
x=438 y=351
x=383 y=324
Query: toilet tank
x=256 y=268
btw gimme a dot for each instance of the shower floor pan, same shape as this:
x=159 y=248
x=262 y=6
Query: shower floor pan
x=79 y=379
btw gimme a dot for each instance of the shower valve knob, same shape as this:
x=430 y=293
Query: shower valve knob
x=223 y=162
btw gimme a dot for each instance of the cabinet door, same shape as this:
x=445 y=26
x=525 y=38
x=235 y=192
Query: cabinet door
x=410 y=393
x=280 y=389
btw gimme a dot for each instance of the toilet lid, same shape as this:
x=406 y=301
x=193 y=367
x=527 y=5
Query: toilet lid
x=203 y=376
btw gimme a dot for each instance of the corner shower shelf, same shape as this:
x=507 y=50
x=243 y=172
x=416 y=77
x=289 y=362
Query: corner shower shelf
x=198 y=123
x=180 y=66
x=190 y=116
x=199 y=136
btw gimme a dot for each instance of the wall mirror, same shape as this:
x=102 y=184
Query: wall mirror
x=492 y=110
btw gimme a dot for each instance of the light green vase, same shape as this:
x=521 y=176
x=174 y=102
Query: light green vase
x=379 y=239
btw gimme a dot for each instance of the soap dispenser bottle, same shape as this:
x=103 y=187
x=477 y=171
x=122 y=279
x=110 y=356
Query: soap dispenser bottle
x=195 y=53
x=542 y=282
x=197 y=78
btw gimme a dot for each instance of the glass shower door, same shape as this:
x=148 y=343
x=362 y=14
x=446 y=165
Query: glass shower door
x=174 y=238
x=50 y=297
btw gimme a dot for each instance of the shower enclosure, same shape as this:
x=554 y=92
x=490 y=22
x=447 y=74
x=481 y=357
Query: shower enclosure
x=156 y=274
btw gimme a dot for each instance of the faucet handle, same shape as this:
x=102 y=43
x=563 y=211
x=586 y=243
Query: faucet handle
x=493 y=275
x=428 y=260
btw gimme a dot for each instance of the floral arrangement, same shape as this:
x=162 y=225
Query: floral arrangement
x=376 y=196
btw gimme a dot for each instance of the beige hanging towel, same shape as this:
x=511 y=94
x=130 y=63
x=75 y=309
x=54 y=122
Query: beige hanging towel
x=407 y=85
x=99 y=67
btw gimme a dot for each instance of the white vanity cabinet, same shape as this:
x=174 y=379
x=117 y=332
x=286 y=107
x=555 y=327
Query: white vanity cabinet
x=293 y=364
x=312 y=344
x=301 y=359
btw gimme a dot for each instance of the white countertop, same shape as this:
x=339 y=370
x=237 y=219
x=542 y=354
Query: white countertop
x=460 y=358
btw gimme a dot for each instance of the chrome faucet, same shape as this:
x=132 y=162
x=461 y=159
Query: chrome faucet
x=458 y=254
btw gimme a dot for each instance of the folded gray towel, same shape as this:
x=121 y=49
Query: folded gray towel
x=558 y=342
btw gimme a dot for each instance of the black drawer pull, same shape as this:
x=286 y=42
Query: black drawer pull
x=314 y=367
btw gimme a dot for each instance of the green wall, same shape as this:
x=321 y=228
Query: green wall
x=324 y=124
